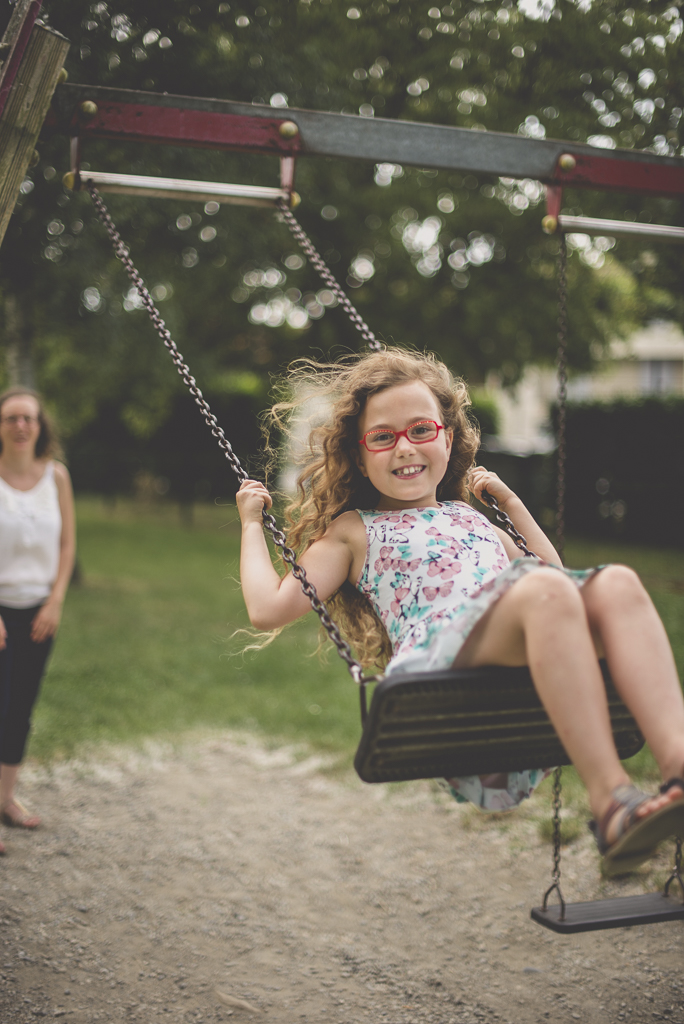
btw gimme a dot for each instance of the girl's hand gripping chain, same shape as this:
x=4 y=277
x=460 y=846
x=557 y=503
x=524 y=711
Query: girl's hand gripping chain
x=252 y=499
x=481 y=479
x=273 y=601
x=260 y=581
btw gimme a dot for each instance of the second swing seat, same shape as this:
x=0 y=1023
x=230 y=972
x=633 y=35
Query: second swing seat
x=468 y=722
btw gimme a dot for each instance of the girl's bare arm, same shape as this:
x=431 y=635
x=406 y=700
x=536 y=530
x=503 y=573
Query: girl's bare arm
x=510 y=503
x=272 y=600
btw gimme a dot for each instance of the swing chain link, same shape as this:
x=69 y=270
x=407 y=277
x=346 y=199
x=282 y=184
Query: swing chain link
x=279 y=539
x=556 y=873
x=562 y=362
x=507 y=523
x=327 y=276
x=676 y=875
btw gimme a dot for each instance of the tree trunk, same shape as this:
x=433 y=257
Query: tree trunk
x=18 y=336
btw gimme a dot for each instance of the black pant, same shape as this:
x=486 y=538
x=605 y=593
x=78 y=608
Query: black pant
x=22 y=664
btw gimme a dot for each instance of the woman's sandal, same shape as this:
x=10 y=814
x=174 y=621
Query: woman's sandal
x=671 y=783
x=637 y=838
x=25 y=819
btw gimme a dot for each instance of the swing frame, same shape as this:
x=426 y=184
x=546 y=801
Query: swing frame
x=93 y=112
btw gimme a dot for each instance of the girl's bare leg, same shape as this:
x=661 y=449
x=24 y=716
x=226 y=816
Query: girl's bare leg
x=638 y=652
x=542 y=622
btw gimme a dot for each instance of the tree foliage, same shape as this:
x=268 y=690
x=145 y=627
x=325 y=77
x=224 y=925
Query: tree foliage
x=440 y=260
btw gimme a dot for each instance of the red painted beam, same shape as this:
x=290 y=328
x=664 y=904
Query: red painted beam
x=606 y=173
x=225 y=124
x=178 y=126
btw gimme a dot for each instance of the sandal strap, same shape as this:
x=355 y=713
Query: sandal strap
x=671 y=783
x=626 y=799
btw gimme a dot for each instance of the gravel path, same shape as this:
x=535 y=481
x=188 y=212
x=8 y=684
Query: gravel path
x=223 y=880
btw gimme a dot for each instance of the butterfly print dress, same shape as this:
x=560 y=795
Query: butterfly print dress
x=431 y=574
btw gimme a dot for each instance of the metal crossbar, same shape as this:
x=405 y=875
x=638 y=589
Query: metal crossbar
x=179 y=188
x=600 y=226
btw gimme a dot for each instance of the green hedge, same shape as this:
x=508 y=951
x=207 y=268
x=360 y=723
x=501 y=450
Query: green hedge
x=625 y=470
x=181 y=456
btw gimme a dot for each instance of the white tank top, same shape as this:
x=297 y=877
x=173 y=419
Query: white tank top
x=30 y=533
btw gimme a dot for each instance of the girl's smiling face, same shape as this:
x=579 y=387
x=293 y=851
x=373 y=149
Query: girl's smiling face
x=406 y=476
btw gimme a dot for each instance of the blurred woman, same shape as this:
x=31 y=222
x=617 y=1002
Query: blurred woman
x=37 y=549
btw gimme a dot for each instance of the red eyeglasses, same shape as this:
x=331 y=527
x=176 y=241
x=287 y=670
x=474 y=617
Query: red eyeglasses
x=417 y=433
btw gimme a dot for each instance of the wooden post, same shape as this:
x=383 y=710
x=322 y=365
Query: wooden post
x=25 y=110
x=16 y=25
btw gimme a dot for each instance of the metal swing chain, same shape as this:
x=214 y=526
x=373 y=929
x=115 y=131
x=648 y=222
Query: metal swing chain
x=279 y=538
x=507 y=523
x=562 y=362
x=676 y=875
x=556 y=873
x=323 y=270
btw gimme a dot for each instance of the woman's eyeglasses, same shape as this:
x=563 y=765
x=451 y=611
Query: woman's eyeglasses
x=16 y=420
x=417 y=433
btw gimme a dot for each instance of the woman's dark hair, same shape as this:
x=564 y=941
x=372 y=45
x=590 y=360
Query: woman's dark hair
x=48 y=445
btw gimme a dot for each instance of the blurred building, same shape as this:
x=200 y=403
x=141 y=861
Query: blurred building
x=650 y=362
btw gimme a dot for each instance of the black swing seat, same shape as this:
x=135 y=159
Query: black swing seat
x=619 y=912
x=468 y=722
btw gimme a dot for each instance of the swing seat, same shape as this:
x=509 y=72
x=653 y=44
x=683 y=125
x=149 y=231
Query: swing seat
x=619 y=912
x=468 y=722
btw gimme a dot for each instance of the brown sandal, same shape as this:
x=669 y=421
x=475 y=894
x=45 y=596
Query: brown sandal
x=25 y=820
x=637 y=838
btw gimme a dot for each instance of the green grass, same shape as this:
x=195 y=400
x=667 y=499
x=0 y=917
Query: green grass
x=144 y=648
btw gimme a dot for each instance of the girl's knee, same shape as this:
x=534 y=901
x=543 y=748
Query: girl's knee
x=619 y=582
x=615 y=589
x=551 y=588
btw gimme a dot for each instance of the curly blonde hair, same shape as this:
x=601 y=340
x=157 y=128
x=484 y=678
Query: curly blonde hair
x=330 y=481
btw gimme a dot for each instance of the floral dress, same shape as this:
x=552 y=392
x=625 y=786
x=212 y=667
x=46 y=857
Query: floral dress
x=431 y=574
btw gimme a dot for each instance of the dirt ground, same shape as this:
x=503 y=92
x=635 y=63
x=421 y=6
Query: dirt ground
x=223 y=880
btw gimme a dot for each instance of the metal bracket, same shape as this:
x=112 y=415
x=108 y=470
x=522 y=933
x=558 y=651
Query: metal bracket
x=556 y=222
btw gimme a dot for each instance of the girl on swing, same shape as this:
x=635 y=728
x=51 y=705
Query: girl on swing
x=420 y=577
